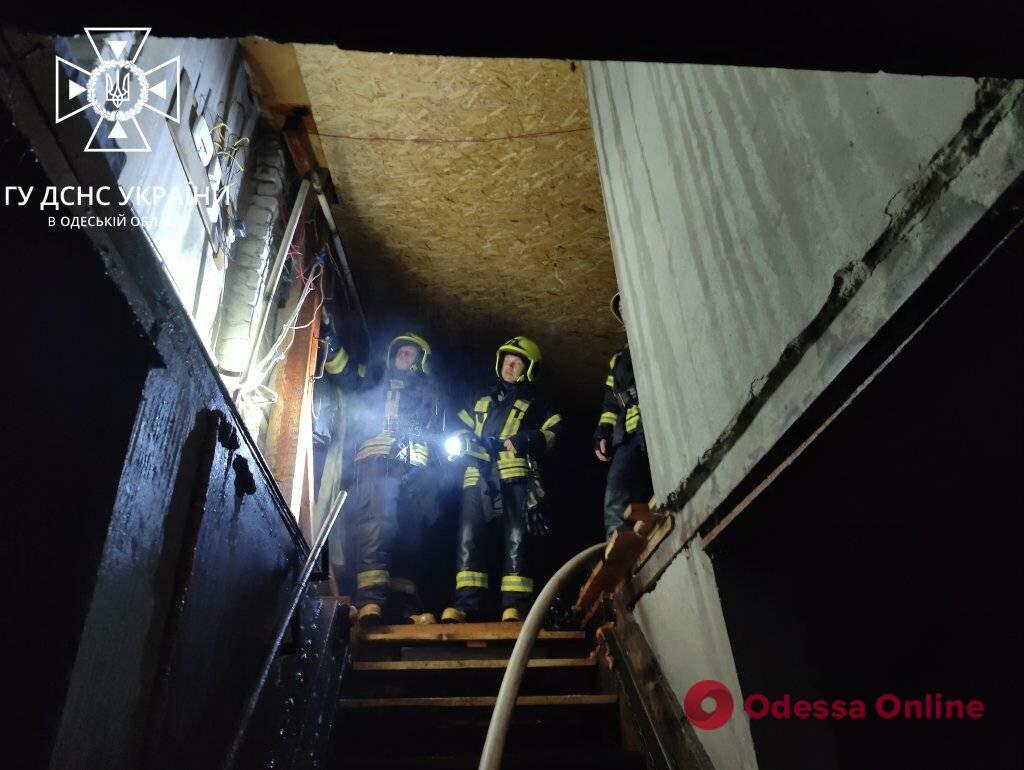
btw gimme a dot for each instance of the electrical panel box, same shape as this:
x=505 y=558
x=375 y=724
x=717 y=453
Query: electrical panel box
x=204 y=140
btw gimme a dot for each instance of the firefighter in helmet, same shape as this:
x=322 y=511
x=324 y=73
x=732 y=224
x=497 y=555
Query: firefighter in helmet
x=504 y=434
x=391 y=470
x=619 y=438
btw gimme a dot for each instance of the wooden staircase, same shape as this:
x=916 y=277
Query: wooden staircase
x=422 y=696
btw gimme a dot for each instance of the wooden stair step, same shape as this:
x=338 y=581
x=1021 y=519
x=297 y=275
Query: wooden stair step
x=623 y=549
x=638 y=512
x=450 y=665
x=536 y=760
x=456 y=632
x=443 y=678
x=479 y=701
x=431 y=726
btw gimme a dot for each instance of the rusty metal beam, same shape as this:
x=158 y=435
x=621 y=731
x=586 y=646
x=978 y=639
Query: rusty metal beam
x=290 y=433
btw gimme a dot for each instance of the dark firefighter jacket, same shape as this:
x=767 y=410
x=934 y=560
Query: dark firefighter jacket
x=392 y=414
x=516 y=411
x=620 y=409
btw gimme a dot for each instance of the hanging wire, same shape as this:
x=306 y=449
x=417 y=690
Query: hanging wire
x=253 y=392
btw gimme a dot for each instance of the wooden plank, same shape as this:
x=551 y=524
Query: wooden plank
x=638 y=512
x=675 y=737
x=299 y=146
x=308 y=502
x=623 y=549
x=597 y=584
x=478 y=701
x=289 y=429
x=654 y=540
x=457 y=665
x=592 y=588
x=456 y=632
x=515 y=759
x=595 y=613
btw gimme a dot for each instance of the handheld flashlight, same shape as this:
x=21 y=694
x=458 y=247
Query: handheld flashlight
x=453 y=446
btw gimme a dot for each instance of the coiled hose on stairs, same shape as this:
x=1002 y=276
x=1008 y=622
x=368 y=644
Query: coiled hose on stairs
x=497 y=730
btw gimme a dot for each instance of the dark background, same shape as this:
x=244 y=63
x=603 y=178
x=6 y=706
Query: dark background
x=885 y=560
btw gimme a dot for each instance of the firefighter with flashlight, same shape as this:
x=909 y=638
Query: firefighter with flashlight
x=619 y=438
x=394 y=417
x=505 y=433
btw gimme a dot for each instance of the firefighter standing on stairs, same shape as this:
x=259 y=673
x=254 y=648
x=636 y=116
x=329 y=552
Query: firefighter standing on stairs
x=394 y=419
x=506 y=432
x=619 y=438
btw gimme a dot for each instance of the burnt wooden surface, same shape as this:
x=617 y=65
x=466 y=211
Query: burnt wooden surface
x=72 y=387
x=668 y=738
x=289 y=433
x=292 y=724
x=157 y=636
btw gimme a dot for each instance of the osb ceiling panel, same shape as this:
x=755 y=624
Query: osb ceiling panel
x=473 y=185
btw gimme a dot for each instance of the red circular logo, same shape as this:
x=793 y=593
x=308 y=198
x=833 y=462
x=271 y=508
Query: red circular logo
x=693 y=704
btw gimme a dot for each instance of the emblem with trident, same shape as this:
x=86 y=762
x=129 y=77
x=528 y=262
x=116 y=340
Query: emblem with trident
x=118 y=92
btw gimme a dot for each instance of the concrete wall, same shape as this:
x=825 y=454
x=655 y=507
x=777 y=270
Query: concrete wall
x=757 y=212
x=684 y=625
x=734 y=196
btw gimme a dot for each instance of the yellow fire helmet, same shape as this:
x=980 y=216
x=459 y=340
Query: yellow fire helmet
x=616 y=307
x=409 y=339
x=523 y=347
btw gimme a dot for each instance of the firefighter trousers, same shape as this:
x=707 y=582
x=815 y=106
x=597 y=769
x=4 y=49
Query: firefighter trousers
x=390 y=510
x=629 y=481
x=488 y=516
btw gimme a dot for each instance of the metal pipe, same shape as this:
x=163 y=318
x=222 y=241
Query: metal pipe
x=282 y=629
x=497 y=730
x=275 y=273
x=341 y=261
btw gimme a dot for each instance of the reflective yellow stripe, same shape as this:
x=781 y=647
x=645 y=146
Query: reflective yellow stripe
x=372 y=577
x=470 y=579
x=464 y=416
x=514 y=419
x=517 y=583
x=471 y=477
x=608 y=418
x=609 y=381
x=508 y=463
x=514 y=473
x=549 y=438
x=418 y=454
x=378 y=446
x=337 y=364
x=404 y=586
x=632 y=418
x=551 y=422
x=480 y=412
